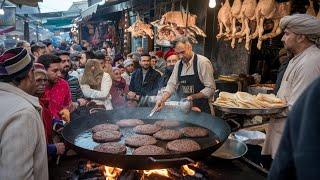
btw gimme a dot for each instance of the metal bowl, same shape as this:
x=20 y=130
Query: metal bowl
x=231 y=149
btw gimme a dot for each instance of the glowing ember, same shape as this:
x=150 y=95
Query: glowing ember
x=162 y=172
x=188 y=171
x=111 y=173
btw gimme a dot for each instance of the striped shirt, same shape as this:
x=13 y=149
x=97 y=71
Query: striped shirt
x=76 y=92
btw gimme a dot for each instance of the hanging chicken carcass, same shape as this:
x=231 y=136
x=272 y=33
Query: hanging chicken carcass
x=265 y=9
x=175 y=24
x=247 y=13
x=140 y=29
x=235 y=16
x=282 y=9
x=310 y=9
x=224 y=19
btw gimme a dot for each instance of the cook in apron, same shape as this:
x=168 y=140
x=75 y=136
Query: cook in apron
x=276 y=125
x=191 y=84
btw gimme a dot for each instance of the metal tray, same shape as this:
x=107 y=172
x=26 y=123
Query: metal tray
x=250 y=111
x=231 y=149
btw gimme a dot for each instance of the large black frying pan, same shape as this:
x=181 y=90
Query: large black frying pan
x=83 y=144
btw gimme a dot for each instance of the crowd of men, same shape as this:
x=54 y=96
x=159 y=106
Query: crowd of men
x=41 y=85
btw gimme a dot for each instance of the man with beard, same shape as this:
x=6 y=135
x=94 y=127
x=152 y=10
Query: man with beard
x=49 y=46
x=192 y=78
x=57 y=89
x=23 y=152
x=38 y=50
x=129 y=68
x=301 y=38
x=171 y=58
x=144 y=81
x=41 y=79
x=76 y=92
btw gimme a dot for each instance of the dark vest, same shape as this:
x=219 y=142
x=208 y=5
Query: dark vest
x=191 y=84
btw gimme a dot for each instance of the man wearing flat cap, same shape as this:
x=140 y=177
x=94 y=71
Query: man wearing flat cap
x=302 y=39
x=23 y=153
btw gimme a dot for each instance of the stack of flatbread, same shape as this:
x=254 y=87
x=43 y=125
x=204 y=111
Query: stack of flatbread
x=247 y=101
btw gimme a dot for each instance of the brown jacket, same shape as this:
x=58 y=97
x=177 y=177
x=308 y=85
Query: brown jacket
x=23 y=153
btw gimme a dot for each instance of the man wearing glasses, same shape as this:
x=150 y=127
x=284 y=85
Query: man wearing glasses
x=192 y=78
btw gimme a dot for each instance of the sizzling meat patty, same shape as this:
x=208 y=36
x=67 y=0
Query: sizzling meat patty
x=194 y=132
x=140 y=140
x=106 y=136
x=168 y=134
x=149 y=150
x=112 y=147
x=183 y=145
x=103 y=127
x=129 y=122
x=148 y=129
x=167 y=123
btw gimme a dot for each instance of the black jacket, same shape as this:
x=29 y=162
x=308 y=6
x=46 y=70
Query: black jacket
x=150 y=85
x=298 y=156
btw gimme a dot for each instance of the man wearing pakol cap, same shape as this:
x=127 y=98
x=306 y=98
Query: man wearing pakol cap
x=171 y=58
x=23 y=153
x=128 y=65
x=301 y=38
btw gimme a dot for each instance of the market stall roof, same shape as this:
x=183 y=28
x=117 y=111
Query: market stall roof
x=33 y=3
x=103 y=8
x=60 y=21
x=87 y=13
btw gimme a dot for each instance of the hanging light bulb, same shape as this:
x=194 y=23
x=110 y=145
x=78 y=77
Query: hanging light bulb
x=212 y=3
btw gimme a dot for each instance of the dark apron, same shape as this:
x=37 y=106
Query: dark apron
x=191 y=84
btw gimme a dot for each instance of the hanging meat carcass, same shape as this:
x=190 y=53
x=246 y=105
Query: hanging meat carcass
x=282 y=9
x=95 y=39
x=175 y=24
x=235 y=16
x=140 y=29
x=310 y=9
x=265 y=9
x=247 y=13
x=224 y=19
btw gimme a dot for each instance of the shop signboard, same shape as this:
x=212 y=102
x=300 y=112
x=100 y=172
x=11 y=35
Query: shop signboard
x=8 y=19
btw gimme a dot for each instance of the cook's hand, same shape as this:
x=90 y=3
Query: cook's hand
x=60 y=148
x=189 y=98
x=196 y=109
x=159 y=105
x=131 y=95
x=82 y=102
x=65 y=115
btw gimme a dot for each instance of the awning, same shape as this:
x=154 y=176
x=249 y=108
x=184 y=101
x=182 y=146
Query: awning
x=90 y=11
x=15 y=33
x=62 y=21
x=7 y=29
x=33 y=3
